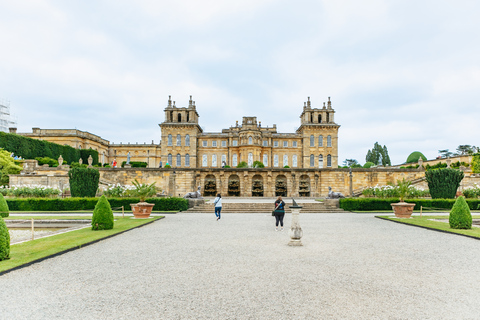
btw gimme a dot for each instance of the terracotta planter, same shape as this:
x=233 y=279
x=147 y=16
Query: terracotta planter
x=142 y=210
x=403 y=209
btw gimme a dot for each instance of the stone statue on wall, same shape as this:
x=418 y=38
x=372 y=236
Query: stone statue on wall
x=128 y=157
x=334 y=195
x=194 y=195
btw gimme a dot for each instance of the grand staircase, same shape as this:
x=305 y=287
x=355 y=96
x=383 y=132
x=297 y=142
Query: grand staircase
x=262 y=207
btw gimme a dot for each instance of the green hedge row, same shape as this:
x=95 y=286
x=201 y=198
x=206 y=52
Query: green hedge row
x=29 y=148
x=135 y=164
x=371 y=204
x=73 y=204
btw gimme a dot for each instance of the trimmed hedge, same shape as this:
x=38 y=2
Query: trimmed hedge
x=443 y=183
x=74 y=204
x=135 y=164
x=29 y=148
x=4 y=212
x=83 y=181
x=4 y=241
x=460 y=216
x=371 y=204
x=102 y=218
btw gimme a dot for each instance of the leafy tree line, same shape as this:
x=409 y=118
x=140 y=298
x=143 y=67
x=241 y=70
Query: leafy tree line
x=29 y=148
x=378 y=155
x=463 y=149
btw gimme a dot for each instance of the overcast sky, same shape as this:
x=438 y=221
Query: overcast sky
x=403 y=73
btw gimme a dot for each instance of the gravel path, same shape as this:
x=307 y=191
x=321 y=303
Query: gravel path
x=189 y=266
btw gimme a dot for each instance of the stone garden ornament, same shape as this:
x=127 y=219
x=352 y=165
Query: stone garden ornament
x=194 y=195
x=334 y=195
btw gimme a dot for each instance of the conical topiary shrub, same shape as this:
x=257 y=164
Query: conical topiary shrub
x=4 y=241
x=4 y=212
x=102 y=218
x=460 y=216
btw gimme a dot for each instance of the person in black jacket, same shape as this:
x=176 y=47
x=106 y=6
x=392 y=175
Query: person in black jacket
x=279 y=213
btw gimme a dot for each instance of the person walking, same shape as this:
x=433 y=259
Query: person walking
x=279 y=213
x=218 y=205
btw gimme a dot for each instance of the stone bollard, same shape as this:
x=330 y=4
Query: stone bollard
x=295 y=231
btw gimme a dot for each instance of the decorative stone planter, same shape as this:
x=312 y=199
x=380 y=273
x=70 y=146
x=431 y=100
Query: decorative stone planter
x=142 y=210
x=403 y=209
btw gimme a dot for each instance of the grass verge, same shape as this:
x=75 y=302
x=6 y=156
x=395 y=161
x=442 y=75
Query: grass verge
x=26 y=253
x=427 y=223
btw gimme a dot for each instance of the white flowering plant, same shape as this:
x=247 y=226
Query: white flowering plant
x=118 y=191
x=31 y=191
x=390 y=191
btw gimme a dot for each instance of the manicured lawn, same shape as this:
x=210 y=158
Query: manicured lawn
x=426 y=222
x=27 y=252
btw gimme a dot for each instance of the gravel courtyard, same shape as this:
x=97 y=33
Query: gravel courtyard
x=189 y=266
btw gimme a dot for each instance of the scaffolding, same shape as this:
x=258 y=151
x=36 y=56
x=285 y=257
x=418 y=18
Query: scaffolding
x=6 y=120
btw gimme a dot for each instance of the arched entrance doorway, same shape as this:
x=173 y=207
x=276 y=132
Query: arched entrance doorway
x=234 y=185
x=304 y=186
x=281 y=186
x=210 y=189
x=257 y=186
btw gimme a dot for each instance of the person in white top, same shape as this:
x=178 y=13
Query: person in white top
x=218 y=205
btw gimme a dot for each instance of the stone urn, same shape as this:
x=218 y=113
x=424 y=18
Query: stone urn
x=403 y=209
x=142 y=210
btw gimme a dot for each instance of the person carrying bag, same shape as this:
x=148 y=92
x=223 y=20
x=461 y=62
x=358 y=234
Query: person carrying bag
x=279 y=213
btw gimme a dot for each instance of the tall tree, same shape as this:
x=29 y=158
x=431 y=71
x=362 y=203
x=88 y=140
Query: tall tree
x=445 y=153
x=465 y=149
x=378 y=155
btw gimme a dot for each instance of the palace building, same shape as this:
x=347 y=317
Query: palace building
x=184 y=144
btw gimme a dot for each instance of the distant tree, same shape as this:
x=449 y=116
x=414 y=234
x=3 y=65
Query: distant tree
x=445 y=153
x=351 y=163
x=7 y=166
x=465 y=149
x=476 y=163
x=368 y=164
x=414 y=156
x=378 y=155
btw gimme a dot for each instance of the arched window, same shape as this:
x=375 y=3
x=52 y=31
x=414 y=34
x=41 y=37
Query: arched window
x=179 y=160
x=187 y=160
x=329 y=141
x=319 y=118
x=179 y=117
x=204 y=160
x=169 y=159
x=275 y=160
x=329 y=161
x=187 y=140
x=265 y=160
x=169 y=139
x=294 y=160
x=320 y=141
x=214 y=160
x=312 y=141
x=250 y=140
x=320 y=161
x=285 y=160
x=234 y=160
x=179 y=140
x=312 y=160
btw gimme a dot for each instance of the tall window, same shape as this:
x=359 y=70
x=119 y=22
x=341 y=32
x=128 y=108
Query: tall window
x=204 y=160
x=204 y=143
x=320 y=141
x=265 y=143
x=187 y=140
x=169 y=139
x=250 y=140
x=329 y=161
x=235 y=143
x=285 y=160
x=214 y=143
x=285 y=144
x=275 y=143
x=224 y=143
x=234 y=160
x=312 y=141
x=179 y=140
x=224 y=159
x=312 y=160
x=329 y=141
x=294 y=160
x=265 y=160
x=169 y=159
x=294 y=143
x=179 y=160
x=214 y=160
x=320 y=161
x=250 y=159
x=275 y=160
x=319 y=118
x=187 y=160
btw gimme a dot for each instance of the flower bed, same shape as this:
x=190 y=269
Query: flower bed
x=393 y=192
